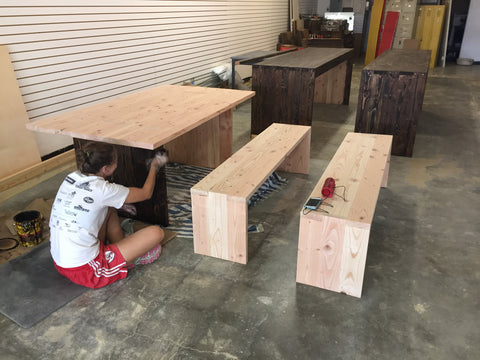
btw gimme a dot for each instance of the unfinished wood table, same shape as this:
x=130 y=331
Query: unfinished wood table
x=286 y=86
x=193 y=123
x=391 y=94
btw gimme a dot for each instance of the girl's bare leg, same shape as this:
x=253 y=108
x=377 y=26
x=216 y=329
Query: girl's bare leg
x=132 y=246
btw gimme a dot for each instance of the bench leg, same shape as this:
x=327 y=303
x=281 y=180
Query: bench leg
x=298 y=160
x=220 y=226
x=332 y=253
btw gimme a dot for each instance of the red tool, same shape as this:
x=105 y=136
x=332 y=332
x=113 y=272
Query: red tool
x=328 y=187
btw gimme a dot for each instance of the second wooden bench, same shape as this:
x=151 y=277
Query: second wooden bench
x=332 y=247
x=220 y=200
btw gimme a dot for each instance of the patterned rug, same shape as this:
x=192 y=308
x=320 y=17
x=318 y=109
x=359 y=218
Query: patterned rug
x=180 y=178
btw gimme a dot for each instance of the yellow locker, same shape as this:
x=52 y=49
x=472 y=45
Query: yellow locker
x=373 y=30
x=429 y=29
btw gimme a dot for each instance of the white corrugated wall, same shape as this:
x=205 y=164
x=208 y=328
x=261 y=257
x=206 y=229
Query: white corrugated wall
x=67 y=54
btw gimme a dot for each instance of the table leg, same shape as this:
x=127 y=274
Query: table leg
x=132 y=171
x=283 y=95
x=207 y=145
x=333 y=86
x=348 y=81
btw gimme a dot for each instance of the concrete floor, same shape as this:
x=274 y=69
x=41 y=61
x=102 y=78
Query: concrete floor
x=421 y=292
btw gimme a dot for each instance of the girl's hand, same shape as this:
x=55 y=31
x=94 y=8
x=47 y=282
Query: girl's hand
x=160 y=159
x=129 y=208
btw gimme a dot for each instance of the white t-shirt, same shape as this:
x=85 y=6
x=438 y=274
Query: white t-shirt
x=77 y=215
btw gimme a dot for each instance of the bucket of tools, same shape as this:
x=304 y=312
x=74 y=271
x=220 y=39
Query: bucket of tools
x=29 y=227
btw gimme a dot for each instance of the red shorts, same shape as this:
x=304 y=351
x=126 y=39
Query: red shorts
x=108 y=267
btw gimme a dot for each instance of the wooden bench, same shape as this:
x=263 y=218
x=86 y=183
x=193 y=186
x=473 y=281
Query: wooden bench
x=220 y=200
x=332 y=248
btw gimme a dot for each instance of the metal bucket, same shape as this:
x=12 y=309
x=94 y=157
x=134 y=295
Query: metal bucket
x=29 y=227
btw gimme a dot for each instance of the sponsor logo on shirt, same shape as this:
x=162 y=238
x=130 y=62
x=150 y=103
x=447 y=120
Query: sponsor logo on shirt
x=109 y=255
x=84 y=186
x=70 y=180
x=81 y=208
x=88 y=199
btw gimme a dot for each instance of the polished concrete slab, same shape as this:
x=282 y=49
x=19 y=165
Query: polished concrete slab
x=421 y=288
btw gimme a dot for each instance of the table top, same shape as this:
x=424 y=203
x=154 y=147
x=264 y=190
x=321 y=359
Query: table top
x=255 y=54
x=402 y=60
x=258 y=55
x=146 y=119
x=309 y=58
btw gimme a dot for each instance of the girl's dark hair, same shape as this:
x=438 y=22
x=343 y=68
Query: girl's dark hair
x=93 y=156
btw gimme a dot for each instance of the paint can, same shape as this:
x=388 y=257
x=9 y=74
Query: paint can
x=29 y=227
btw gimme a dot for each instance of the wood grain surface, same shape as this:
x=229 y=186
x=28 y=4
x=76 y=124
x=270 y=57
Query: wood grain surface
x=391 y=95
x=319 y=59
x=401 y=60
x=249 y=167
x=329 y=86
x=18 y=148
x=285 y=85
x=146 y=119
x=207 y=145
x=332 y=247
x=220 y=200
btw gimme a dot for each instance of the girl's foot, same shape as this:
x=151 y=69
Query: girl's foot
x=148 y=258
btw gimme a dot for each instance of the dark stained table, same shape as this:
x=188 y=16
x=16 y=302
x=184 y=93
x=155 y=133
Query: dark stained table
x=286 y=86
x=391 y=95
x=252 y=58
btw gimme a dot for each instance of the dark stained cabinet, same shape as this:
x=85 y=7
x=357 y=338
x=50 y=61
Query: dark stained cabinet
x=391 y=95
